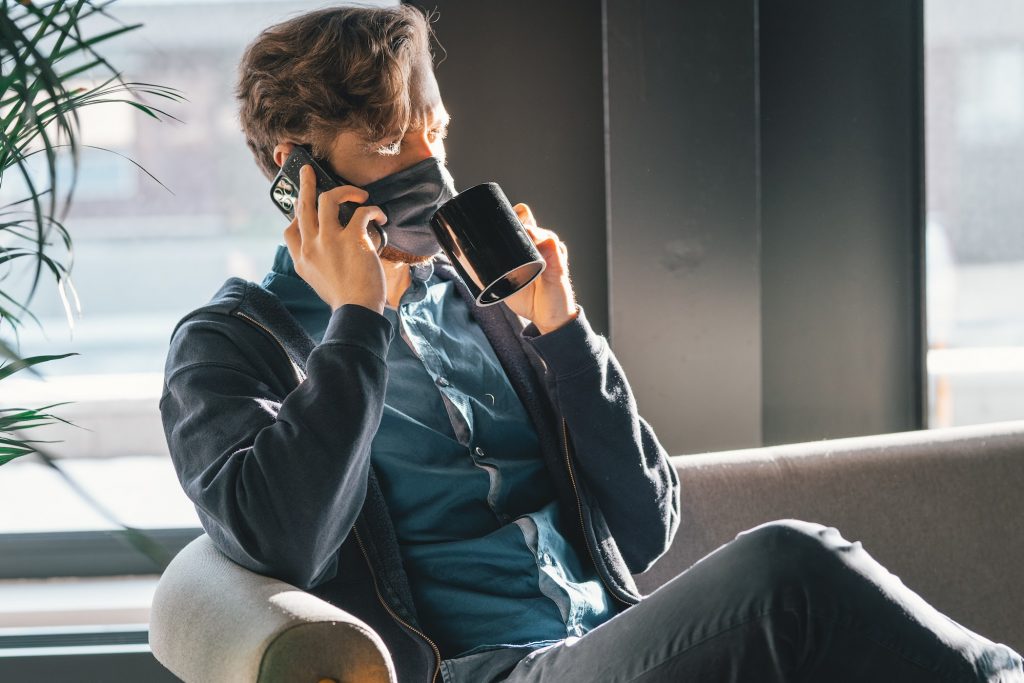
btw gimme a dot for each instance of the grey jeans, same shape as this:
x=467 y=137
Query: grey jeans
x=785 y=601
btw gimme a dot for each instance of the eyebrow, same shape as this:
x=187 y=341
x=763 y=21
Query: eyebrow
x=443 y=121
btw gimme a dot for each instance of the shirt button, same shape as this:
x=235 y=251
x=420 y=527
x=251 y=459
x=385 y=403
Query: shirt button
x=479 y=451
x=546 y=558
x=442 y=382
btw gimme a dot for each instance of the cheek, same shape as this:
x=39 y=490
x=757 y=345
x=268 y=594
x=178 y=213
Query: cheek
x=391 y=165
x=437 y=149
x=373 y=169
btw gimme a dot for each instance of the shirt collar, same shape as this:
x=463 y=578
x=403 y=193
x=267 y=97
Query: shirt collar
x=283 y=264
x=422 y=271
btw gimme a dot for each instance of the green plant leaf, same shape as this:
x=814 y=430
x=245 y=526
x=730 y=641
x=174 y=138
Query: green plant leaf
x=8 y=369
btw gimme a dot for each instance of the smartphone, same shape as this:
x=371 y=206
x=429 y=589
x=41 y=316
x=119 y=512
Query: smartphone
x=284 y=190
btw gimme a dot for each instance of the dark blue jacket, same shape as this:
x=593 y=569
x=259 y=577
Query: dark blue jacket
x=270 y=436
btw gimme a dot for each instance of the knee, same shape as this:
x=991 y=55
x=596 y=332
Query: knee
x=788 y=536
x=792 y=551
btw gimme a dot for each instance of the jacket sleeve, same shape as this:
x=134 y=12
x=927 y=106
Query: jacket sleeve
x=617 y=453
x=277 y=474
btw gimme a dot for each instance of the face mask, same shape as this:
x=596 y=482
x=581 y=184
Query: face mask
x=409 y=198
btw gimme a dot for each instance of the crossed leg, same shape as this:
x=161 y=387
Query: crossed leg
x=785 y=601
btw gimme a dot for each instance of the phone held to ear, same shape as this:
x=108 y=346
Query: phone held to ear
x=284 y=190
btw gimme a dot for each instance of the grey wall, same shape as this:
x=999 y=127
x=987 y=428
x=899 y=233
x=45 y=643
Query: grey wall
x=523 y=83
x=683 y=272
x=739 y=184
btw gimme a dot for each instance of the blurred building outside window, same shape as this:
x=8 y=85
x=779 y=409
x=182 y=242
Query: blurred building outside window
x=144 y=256
x=974 y=123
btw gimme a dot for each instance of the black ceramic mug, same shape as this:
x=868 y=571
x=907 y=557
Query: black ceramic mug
x=486 y=243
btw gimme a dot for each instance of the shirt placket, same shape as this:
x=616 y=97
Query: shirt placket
x=456 y=403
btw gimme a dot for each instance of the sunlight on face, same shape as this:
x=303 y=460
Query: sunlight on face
x=362 y=161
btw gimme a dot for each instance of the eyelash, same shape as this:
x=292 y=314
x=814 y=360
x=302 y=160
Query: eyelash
x=395 y=148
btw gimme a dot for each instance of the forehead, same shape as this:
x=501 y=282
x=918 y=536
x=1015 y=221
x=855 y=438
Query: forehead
x=426 y=107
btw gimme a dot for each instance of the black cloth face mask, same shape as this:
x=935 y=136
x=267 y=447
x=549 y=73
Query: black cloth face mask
x=409 y=199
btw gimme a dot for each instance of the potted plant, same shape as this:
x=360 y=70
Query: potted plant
x=44 y=56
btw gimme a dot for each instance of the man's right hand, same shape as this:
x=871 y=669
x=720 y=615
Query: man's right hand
x=340 y=263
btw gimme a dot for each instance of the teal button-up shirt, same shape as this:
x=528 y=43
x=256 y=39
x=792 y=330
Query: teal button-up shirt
x=458 y=462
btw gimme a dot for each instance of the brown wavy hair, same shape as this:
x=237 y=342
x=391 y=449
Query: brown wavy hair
x=333 y=69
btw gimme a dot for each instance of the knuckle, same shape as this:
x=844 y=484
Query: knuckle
x=366 y=213
x=348 y=193
x=356 y=191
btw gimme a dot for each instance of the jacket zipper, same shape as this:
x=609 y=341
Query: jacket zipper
x=376 y=588
x=579 y=507
x=299 y=374
x=362 y=548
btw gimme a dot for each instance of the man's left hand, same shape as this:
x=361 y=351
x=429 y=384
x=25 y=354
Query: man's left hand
x=548 y=302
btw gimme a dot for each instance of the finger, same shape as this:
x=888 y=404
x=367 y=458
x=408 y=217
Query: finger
x=327 y=211
x=525 y=214
x=327 y=206
x=549 y=249
x=540 y=234
x=305 y=209
x=346 y=193
x=546 y=240
x=292 y=238
x=361 y=218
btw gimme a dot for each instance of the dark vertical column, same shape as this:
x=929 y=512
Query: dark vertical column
x=842 y=187
x=523 y=82
x=762 y=168
x=684 y=271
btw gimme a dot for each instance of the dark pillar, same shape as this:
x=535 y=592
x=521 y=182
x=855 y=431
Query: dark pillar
x=684 y=274
x=841 y=234
x=523 y=82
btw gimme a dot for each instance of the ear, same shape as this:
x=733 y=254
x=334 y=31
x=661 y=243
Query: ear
x=281 y=152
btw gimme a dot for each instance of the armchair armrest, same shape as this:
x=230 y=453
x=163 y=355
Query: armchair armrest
x=213 y=620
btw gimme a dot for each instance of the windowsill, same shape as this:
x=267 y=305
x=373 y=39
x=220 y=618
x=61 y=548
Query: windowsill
x=140 y=491
x=84 y=389
x=30 y=603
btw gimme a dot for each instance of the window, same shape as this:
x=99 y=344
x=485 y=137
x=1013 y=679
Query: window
x=974 y=114
x=144 y=255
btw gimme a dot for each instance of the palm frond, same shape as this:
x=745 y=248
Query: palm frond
x=44 y=57
x=8 y=369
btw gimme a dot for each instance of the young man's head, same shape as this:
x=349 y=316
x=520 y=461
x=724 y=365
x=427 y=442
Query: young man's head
x=355 y=83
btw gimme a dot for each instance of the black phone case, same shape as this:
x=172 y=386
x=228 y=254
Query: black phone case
x=284 y=190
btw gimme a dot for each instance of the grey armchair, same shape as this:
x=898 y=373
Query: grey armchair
x=942 y=509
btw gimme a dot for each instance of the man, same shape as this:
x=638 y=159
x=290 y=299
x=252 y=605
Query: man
x=475 y=482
